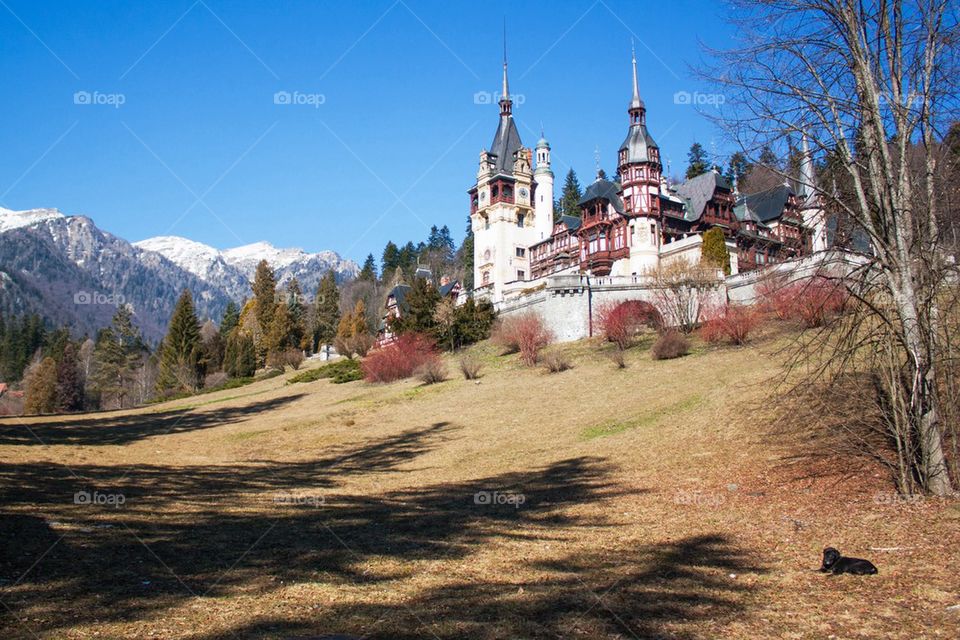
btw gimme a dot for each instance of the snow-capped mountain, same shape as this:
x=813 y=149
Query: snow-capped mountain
x=16 y=219
x=73 y=273
x=234 y=269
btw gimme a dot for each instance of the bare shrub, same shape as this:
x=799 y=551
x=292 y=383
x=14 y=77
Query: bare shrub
x=556 y=361
x=525 y=333
x=618 y=358
x=681 y=290
x=470 y=367
x=215 y=379
x=671 y=344
x=432 y=371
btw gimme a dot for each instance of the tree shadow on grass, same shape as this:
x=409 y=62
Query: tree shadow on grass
x=123 y=429
x=681 y=589
x=186 y=533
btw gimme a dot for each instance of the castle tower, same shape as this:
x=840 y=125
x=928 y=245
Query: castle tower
x=502 y=211
x=640 y=174
x=811 y=206
x=543 y=207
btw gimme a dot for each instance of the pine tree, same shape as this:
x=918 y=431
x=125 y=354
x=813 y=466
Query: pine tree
x=69 y=393
x=390 y=260
x=265 y=293
x=369 y=270
x=408 y=257
x=737 y=167
x=298 y=316
x=421 y=305
x=231 y=318
x=117 y=353
x=41 y=392
x=327 y=311
x=181 y=366
x=696 y=160
x=570 y=198
x=240 y=356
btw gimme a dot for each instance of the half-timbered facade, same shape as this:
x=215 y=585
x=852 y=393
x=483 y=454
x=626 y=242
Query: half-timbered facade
x=625 y=228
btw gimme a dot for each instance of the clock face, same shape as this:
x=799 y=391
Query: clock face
x=483 y=195
x=523 y=192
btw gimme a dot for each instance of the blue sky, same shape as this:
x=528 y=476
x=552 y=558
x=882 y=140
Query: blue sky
x=177 y=131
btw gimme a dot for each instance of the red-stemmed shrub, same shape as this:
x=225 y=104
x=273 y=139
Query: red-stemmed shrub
x=731 y=322
x=525 y=333
x=620 y=322
x=816 y=300
x=400 y=359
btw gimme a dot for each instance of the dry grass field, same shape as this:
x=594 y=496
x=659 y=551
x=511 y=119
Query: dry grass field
x=650 y=502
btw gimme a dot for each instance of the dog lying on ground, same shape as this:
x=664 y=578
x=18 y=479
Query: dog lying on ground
x=834 y=562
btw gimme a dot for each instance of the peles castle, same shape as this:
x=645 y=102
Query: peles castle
x=626 y=228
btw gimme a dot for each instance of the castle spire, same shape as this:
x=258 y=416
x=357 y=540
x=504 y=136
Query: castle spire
x=807 y=177
x=636 y=102
x=506 y=104
x=637 y=109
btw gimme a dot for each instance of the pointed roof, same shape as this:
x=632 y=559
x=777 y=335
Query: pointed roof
x=602 y=188
x=697 y=191
x=506 y=144
x=635 y=102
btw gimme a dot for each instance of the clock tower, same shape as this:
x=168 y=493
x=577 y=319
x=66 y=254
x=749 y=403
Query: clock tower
x=503 y=214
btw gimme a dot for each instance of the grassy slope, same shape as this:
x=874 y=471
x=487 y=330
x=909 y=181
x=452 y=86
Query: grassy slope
x=655 y=504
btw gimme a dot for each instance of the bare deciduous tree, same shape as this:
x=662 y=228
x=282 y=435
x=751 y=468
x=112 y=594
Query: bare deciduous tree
x=872 y=83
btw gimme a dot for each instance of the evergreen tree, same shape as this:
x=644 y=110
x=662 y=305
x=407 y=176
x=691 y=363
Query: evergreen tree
x=70 y=396
x=390 y=260
x=230 y=320
x=117 y=353
x=570 y=198
x=696 y=160
x=298 y=316
x=281 y=333
x=369 y=270
x=326 y=311
x=421 y=305
x=466 y=256
x=41 y=392
x=714 y=250
x=181 y=365
x=240 y=356
x=737 y=167
x=408 y=257
x=265 y=293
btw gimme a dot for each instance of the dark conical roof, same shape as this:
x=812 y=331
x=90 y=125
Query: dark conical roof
x=506 y=144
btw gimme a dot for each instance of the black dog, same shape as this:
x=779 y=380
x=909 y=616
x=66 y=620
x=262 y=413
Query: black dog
x=833 y=562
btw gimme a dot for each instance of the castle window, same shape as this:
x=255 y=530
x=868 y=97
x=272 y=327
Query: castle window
x=486 y=277
x=494 y=191
x=521 y=275
x=520 y=218
x=520 y=252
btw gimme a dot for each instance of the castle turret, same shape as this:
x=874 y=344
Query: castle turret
x=811 y=206
x=543 y=176
x=502 y=212
x=640 y=171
